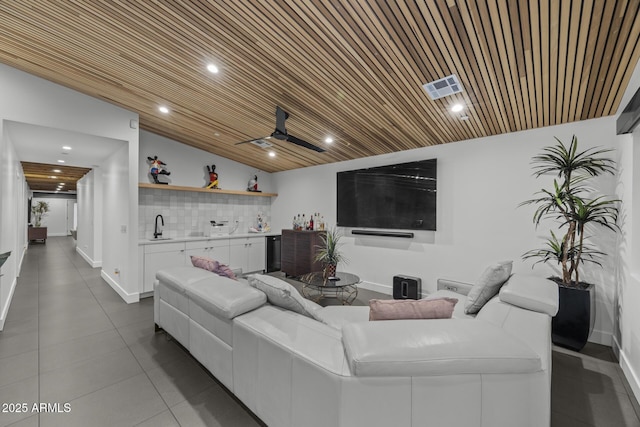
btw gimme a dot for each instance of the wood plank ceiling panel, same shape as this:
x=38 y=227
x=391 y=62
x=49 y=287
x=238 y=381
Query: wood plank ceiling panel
x=52 y=178
x=352 y=70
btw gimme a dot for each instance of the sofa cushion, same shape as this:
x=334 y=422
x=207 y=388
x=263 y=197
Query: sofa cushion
x=487 y=285
x=283 y=294
x=435 y=347
x=212 y=266
x=458 y=310
x=179 y=278
x=224 y=297
x=531 y=293
x=436 y=308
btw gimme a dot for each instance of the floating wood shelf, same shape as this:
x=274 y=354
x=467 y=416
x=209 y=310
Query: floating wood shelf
x=204 y=190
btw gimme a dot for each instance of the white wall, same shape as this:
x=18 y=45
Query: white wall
x=56 y=219
x=627 y=331
x=480 y=184
x=13 y=218
x=29 y=99
x=89 y=242
x=188 y=165
x=114 y=261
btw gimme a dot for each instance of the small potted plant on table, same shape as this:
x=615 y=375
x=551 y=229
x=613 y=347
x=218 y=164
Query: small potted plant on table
x=568 y=203
x=328 y=252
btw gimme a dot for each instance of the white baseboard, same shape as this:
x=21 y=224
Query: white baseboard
x=5 y=308
x=376 y=287
x=87 y=258
x=127 y=297
x=630 y=374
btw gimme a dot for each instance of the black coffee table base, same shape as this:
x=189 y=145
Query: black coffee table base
x=343 y=287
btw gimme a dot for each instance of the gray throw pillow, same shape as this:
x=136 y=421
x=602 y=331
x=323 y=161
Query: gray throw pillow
x=283 y=294
x=487 y=286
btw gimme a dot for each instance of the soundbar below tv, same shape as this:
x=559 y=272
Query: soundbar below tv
x=400 y=196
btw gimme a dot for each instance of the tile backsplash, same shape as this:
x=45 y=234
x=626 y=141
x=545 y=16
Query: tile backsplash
x=189 y=213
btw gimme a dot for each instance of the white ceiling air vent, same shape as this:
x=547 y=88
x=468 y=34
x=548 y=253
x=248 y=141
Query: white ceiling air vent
x=443 y=87
x=262 y=143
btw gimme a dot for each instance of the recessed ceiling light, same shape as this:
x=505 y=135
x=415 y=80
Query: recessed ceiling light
x=53 y=177
x=57 y=171
x=272 y=153
x=66 y=147
x=60 y=161
x=163 y=109
x=216 y=134
x=457 y=108
x=212 y=68
x=328 y=140
x=62 y=184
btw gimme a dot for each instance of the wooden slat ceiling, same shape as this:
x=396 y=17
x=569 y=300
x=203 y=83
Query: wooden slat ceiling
x=46 y=177
x=350 y=69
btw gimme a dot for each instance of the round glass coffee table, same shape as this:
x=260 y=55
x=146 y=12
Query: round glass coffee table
x=342 y=287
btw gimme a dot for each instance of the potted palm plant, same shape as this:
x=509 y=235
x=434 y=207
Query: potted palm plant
x=328 y=252
x=39 y=211
x=569 y=204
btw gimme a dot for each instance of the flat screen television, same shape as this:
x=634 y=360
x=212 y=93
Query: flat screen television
x=401 y=196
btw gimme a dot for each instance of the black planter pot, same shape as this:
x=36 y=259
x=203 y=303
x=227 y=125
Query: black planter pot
x=570 y=328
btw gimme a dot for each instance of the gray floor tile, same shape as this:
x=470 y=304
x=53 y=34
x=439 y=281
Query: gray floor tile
x=176 y=381
x=81 y=328
x=163 y=419
x=18 y=367
x=32 y=421
x=157 y=351
x=592 y=403
x=24 y=391
x=80 y=378
x=60 y=355
x=126 y=403
x=213 y=408
x=133 y=313
x=19 y=337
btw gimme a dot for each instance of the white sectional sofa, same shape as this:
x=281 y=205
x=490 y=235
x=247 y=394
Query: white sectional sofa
x=493 y=370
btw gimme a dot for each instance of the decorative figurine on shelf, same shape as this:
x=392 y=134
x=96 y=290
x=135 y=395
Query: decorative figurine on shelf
x=157 y=168
x=253 y=184
x=213 y=177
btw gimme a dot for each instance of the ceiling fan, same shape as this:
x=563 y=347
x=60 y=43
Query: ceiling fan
x=281 y=134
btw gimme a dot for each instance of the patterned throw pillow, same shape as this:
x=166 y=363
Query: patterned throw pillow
x=212 y=266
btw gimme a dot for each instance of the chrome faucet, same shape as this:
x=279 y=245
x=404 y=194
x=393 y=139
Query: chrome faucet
x=157 y=233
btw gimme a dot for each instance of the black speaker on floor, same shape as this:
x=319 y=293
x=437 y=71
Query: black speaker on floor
x=406 y=287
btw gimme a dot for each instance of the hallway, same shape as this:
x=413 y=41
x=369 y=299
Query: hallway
x=70 y=338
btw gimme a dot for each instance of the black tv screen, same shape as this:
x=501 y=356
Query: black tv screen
x=401 y=196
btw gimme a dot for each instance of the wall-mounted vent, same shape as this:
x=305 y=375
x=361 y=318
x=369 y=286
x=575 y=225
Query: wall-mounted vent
x=262 y=143
x=443 y=87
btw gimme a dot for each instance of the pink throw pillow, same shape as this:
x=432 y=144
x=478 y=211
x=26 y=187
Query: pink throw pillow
x=212 y=266
x=439 y=308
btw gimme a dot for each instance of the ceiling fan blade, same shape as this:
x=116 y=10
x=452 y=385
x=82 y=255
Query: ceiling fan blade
x=281 y=117
x=304 y=144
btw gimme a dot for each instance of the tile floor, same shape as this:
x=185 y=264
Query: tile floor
x=69 y=338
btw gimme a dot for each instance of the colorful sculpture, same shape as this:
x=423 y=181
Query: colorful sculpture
x=157 y=168
x=213 y=177
x=253 y=184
